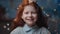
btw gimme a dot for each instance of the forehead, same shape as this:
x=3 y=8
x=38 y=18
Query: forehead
x=29 y=7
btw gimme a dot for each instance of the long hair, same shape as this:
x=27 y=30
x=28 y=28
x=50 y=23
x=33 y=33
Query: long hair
x=41 y=22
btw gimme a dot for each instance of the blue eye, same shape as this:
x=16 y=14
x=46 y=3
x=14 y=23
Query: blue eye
x=34 y=12
x=26 y=12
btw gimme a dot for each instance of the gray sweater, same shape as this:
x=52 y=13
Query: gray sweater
x=28 y=30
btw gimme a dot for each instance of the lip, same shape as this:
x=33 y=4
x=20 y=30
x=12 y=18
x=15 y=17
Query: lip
x=30 y=19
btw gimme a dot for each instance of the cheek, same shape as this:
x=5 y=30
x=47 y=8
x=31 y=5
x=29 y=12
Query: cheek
x=23 y=16
x=35 y=16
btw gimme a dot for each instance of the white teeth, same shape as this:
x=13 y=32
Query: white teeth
x=29 y=19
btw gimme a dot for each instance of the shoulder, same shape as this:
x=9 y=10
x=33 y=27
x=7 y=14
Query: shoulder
x=44 y=30
x=16 y=30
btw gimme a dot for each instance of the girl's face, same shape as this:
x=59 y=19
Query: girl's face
x=29 y=15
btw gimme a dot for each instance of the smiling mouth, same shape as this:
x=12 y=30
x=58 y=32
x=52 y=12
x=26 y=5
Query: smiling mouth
x=30 y=19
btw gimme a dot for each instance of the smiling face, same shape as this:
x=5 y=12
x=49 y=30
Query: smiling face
x=29 y=15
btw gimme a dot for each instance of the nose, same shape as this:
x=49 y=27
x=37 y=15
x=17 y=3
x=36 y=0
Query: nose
x=30 y=15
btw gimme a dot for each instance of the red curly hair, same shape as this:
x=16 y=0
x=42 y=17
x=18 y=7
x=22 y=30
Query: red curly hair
x=18 y=20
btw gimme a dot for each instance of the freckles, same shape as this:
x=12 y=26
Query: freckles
x=35 y=15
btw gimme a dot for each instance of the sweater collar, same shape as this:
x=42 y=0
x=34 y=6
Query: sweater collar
x=27 y=28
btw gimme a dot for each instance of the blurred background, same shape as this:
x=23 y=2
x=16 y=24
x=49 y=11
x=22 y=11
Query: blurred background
x=51 y=10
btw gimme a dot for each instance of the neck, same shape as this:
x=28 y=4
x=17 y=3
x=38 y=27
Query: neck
x=31 y=25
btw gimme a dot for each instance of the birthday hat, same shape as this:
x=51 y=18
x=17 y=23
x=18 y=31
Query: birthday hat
x=30 y=1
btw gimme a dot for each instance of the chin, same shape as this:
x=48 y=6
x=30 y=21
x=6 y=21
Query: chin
x=31 y=24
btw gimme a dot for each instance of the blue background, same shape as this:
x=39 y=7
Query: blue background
x=49 y=7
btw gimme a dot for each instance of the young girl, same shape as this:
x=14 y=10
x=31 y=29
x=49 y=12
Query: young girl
x=30 y=20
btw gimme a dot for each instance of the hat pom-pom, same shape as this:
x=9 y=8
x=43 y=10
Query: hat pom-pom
x=30 y=1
